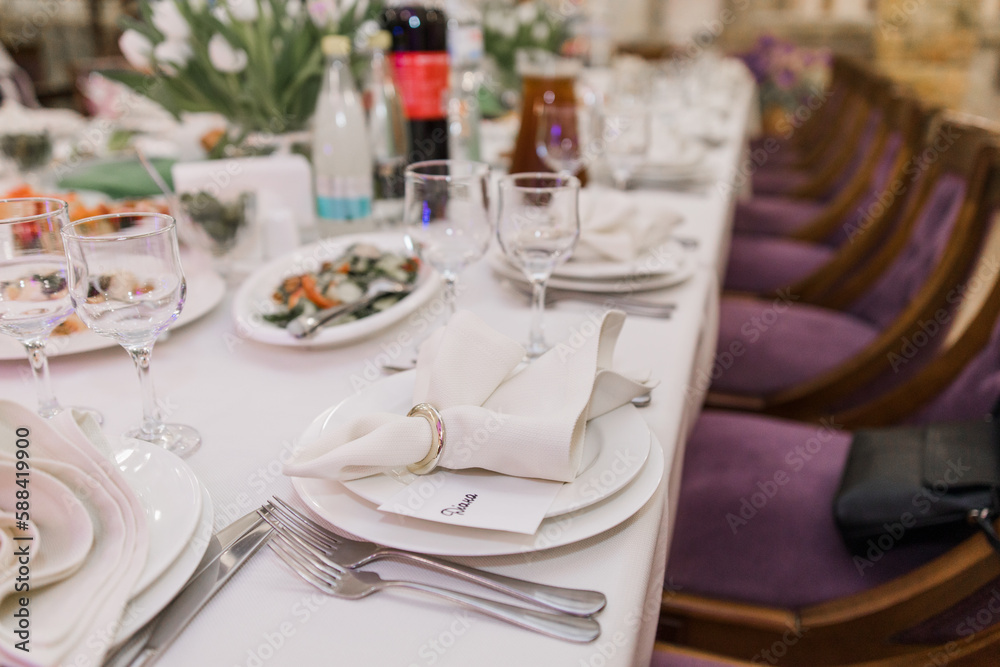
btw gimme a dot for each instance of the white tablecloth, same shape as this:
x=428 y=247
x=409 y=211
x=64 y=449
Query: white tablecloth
x=251 y=401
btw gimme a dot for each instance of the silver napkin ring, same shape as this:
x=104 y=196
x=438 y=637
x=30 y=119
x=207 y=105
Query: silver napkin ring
x=433 y=417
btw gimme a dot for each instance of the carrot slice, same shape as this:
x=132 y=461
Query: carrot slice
x=309 y=287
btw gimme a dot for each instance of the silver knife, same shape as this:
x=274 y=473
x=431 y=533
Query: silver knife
x=215 y=569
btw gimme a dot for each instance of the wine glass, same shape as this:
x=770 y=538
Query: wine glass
x=563 y=136
x=539 y=224
x=126 y=282
x=34 y=297
x=446 y=216
x=625 y=131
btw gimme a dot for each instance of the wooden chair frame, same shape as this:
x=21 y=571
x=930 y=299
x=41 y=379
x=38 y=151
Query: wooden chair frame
x=972 y=155
x=862 y=628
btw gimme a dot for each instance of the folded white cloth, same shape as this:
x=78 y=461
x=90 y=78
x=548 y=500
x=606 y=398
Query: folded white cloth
x=613 y=228
x=527 y=423
x=86 y=571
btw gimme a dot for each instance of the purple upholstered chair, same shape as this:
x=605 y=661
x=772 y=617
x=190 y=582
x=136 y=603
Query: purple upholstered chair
x=755 y=524
x=780 y=352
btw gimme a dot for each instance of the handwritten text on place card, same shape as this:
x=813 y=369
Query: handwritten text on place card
x=476 y=499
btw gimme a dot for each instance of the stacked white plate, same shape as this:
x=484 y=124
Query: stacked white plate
x=179 y=515
x=622 y=466
x=111 y=541
x=663 y=266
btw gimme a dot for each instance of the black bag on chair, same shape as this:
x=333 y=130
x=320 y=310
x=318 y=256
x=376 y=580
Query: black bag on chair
x=934 y=482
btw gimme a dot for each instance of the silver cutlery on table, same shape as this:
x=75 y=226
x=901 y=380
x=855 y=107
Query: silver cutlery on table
x=353 y=554
x=630 y=304
x=306 y=325
x=228 y=550
x=310 y=564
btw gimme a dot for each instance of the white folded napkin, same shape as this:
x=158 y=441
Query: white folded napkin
x=613 y=228
x=75 y=611
x=526 y=422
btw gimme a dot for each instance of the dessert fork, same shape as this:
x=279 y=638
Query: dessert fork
x=332 y=579
x=353 y=554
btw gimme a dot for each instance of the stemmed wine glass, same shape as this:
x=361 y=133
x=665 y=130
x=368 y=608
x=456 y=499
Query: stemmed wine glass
x=625 y=131
x=126 y=282
x=539 y=224
x=446 y=216
x=34 y=297
x=563 y=134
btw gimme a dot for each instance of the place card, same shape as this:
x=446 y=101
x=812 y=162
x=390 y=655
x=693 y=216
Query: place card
x=476 y=499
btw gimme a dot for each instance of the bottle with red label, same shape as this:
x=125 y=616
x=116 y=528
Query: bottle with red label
x=420 y=67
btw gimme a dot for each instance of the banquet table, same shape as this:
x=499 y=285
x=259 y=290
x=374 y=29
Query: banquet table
x=251 y=401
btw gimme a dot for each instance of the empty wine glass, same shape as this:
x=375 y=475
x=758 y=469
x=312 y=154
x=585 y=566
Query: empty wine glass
x=539 y=224
x=563 y=136
x=625 y=131
x=34 y=297
x=446 y=216
x=126 y=283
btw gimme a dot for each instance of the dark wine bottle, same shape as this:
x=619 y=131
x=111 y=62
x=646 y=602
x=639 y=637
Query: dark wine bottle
x=420 y=67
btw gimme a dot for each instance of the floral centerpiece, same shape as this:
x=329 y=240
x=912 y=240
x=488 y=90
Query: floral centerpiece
x=528 y=26
x=788 y=76
x=257 y=63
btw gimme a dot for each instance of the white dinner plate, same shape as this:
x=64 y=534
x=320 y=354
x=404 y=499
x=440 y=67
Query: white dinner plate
x=615 y=447
x=331 y=501
x=205 y=289
x=171 y=495
x=254 y=296
x=147 y=604
x=622 y=285
x=666 y=259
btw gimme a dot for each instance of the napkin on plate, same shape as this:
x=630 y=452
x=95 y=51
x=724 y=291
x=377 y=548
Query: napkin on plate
x=613 y=228
x=526 y=422
x=92 y=539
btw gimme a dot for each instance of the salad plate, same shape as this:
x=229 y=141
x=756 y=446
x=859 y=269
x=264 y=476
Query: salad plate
x=205 y=290
x=616 y=446
x=171 y=495
x=147 y=604
x=639 y=282
x=334 y=270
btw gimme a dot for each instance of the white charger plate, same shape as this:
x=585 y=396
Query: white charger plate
x=332 y=502
x=666 y=259
x=205 y=289
x=615 y=448
x=171 y=495
x=253 y=299
x=622 y=285
x=147 y=604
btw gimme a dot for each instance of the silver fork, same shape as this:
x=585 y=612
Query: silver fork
x=353 y=554
x=311 y=566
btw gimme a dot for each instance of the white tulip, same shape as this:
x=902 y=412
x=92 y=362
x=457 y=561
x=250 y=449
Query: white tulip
x=244 y=10
x=172 y=56
x=360 y=7
x=136 y=48
x=293 y=8
x=526 y=13
x=224 y=57
x=540 y=32
x=169 y=20
x=508 y=27
x=323 y=12
x=197 y=5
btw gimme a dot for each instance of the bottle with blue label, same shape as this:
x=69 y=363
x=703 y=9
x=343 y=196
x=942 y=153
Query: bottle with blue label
x=342 y=158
